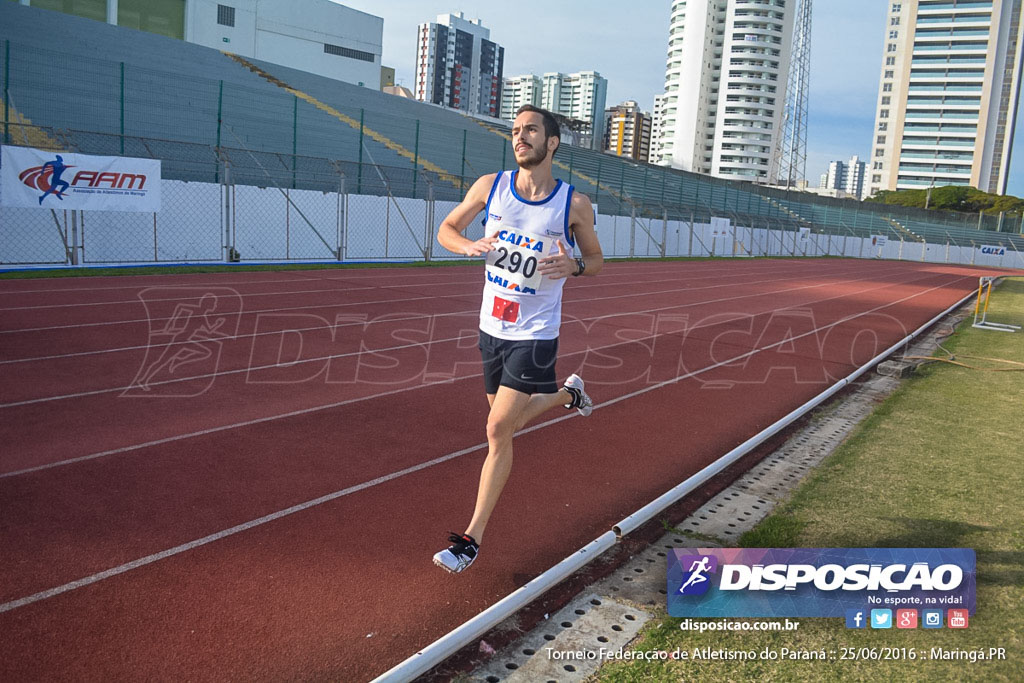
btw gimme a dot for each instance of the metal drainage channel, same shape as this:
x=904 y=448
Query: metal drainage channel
x=449 y=644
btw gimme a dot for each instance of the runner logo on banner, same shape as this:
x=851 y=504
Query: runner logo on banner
x=805 y=234
x=720 y=227
x=36 y=178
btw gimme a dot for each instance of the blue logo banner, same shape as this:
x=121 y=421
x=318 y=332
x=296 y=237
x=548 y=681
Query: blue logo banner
x=817 y=582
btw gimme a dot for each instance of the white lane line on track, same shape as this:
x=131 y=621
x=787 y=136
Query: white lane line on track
x=319 y=359
x=135 y=287
x=191 y=545
x=369 y=274
x=341 y=304
x=271 y=418
x=80 y=354
x=467 y=283
x=606 y=281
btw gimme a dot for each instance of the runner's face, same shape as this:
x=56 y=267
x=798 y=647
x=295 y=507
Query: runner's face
x=529 y=140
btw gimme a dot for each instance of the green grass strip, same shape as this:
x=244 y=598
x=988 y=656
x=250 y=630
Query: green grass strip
x=939 y=464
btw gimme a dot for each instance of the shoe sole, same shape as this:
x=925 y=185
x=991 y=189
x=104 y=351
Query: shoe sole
x=443 y=566
x=448 y=569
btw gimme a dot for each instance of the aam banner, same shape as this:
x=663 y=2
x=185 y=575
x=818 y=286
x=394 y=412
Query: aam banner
x=817 y=582
x=64 y=180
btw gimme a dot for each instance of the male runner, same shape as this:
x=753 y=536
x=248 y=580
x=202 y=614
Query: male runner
x=533 y=222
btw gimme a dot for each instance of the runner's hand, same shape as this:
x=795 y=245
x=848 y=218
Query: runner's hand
x=558 y=265
x=481 y=246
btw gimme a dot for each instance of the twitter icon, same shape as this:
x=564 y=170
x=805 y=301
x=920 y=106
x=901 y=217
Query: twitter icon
x=881 y=618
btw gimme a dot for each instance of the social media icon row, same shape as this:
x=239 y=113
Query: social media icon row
x=905 y=618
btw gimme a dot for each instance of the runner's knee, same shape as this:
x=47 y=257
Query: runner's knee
x=500 y=428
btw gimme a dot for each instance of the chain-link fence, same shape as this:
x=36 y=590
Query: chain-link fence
x=232 y=204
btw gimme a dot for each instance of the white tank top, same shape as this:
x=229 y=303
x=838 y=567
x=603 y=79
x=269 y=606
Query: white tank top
x=519 y=302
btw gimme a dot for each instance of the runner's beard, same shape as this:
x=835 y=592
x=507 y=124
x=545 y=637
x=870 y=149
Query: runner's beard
x=535 y=156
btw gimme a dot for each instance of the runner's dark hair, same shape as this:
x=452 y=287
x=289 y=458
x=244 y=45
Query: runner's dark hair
x=551 y=127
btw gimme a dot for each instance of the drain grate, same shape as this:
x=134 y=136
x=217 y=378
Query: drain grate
x=568 y=646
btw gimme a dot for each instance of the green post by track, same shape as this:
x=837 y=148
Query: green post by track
x=643 y=193
x=462 y=173
x=415 y=158
x=622 y=184
x=220 y=119
x=570 y=167
x=359 y=178
x=7 y=94
x=295 y=137
x=122 y=108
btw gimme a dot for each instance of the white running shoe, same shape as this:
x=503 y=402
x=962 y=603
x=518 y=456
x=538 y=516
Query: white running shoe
x=580 y=400
x=459 y=555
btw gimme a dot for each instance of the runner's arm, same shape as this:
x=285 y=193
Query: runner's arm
x=450 y=236
x=581 y=222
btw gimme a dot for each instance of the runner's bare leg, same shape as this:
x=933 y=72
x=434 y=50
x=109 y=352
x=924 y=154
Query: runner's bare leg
x=507 y=408
x=541 y=403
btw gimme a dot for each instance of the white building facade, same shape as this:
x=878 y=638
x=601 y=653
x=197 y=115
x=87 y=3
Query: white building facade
x=846 y=176
x=657 y=126
x=947 y=96
x=458 y=66
x=317 y=36
x=725 y=87
x=517 y=91
x=579 y=96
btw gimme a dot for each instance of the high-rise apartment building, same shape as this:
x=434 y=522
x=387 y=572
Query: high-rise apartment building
x=516 y=92
x=579 y=96
x=847 y=176
x=458 y=66
x=947 y=98
x=725 y=87
x=657 y=125
x=627 y=131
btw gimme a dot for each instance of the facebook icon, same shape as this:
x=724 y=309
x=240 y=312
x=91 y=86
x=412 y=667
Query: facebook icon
x=855 y=618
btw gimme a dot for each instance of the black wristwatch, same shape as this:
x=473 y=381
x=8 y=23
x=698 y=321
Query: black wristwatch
x=580 y=267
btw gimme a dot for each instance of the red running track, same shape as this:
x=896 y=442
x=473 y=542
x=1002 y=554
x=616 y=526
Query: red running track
x=256 y=494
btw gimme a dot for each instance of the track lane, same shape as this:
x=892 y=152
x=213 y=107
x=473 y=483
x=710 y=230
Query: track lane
x=302 y=583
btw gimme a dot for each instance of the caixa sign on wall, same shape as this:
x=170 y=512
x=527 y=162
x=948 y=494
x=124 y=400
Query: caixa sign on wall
x=990 y=250
x=816 y=582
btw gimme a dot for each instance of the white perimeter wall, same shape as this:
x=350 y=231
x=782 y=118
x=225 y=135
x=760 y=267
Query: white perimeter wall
x=275 y=225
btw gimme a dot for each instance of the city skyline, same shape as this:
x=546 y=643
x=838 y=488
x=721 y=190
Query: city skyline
x=846 y=58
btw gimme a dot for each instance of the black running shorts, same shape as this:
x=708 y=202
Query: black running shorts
x=526 y=365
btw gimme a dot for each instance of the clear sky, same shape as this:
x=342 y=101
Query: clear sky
x=627 y=43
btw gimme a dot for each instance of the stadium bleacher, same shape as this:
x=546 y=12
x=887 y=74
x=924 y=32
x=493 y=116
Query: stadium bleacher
x=90 y=87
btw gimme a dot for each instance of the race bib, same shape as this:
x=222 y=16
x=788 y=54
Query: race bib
x=514 y=261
